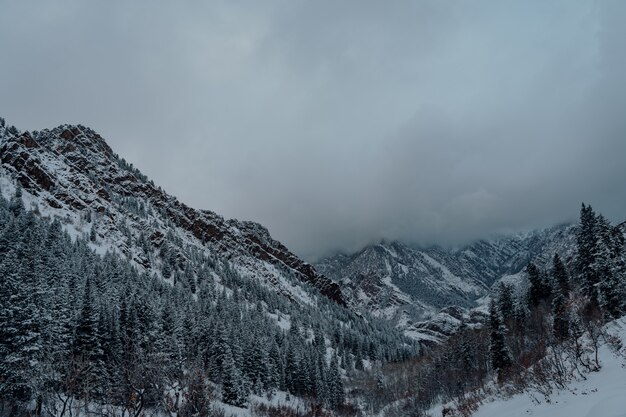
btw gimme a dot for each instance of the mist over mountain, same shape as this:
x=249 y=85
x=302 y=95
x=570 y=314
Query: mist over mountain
x=337 y=126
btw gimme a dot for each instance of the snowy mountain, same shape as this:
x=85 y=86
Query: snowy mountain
x=406 y=284
x=71 y=172
x=100 y=266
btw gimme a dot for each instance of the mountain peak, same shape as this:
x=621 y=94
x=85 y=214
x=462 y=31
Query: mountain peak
x=70 y=170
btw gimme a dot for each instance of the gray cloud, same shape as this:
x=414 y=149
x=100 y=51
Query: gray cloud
x=339 y=123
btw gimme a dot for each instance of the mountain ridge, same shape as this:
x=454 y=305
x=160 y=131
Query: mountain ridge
x=72 y=167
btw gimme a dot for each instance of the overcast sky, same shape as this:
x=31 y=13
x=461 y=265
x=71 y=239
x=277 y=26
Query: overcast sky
x=338 y=123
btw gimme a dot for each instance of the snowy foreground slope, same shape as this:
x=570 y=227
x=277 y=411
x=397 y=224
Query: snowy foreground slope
x=602 y=394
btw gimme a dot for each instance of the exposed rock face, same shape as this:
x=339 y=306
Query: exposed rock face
x=72 y=169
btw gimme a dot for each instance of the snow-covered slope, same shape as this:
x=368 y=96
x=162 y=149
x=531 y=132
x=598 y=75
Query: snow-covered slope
x=70 y=173
x=602 y=394
x=405 y=283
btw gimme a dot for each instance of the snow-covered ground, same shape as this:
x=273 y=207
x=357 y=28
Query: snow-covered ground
x=280 y=399
x=603 y=394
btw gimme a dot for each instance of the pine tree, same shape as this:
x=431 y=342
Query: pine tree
x=85 y=339
x=466 y=351
x=216 y=358
x=560 y=276
x=87 y=348
x=20 y=338
x=505 y=301
x=536 y=292
x=500 y=356
x=233 y=390
x=587 y=251
x=169 y=340
x=292 y=368
x=320 y=378
x=275 y=378
x=336 y=393
x=561 y=319
x=610 y=287
x=611 y=294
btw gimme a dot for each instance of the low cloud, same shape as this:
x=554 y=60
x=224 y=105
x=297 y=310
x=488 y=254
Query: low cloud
x=338 y=124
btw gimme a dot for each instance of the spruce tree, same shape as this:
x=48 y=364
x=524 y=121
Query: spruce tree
x=505 y=301
x=20 y=338
x=87 y=348
x=85 y=338
x=276 y=374
x=233 y=390
x=500 y=356
x=606 y=266
x=610 y=293
x=587 y=242
x=560 y=324
x=336 y=394
x=169 y=340
x=560 y=276
x=536 y=288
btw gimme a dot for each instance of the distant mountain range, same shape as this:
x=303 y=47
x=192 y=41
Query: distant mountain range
x=407 y=284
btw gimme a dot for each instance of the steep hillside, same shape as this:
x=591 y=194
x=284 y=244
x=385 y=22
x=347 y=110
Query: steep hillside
x=70 y=171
